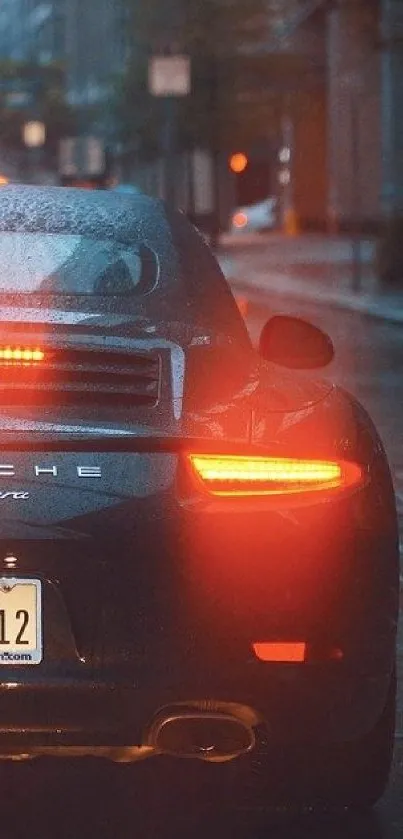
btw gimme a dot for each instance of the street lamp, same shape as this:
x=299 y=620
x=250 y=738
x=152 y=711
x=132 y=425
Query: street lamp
x=34 y=134
x=34 y=137
x=169 y=78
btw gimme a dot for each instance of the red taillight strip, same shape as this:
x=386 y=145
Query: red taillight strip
x=231 y=475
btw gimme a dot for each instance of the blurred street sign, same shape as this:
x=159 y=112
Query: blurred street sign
x=169 y=75
x=82 y=156
x=169 y=78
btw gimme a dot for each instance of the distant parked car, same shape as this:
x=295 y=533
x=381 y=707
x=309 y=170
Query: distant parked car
x=255 y=217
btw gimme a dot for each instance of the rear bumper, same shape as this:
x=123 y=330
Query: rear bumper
x=295 y=703
x=162 y=602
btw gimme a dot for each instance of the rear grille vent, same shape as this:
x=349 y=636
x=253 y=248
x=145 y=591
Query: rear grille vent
x=67 y=376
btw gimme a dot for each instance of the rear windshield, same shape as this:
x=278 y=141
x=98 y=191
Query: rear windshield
x=69 y=264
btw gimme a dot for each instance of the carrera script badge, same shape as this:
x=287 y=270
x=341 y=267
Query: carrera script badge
x=15 y=496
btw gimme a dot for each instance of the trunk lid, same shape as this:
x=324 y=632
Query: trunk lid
x=90 y=440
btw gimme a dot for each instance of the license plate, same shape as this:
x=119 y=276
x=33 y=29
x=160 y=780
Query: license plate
x=20 y=621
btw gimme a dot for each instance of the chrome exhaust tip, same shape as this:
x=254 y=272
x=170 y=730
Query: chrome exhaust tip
x=208 y=736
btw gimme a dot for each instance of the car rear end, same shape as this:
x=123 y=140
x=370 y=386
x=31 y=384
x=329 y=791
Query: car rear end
x=198 y=551
x=255 y=218
x=96 y=618
x=145 y=598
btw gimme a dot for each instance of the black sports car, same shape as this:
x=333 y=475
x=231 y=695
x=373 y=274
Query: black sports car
x=198 y=540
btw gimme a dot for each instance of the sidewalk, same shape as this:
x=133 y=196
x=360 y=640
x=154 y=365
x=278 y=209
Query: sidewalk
x=311 y=266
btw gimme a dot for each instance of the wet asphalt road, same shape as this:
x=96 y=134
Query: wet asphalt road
x=58 y=800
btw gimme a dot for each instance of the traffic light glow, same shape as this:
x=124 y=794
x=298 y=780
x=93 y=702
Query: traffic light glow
x=238 y=162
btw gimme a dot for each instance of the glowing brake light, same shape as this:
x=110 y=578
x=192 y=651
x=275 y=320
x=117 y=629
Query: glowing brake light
x=229 y=475
x=21 y=354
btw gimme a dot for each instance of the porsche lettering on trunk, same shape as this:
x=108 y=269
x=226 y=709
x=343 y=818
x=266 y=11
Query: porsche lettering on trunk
x=8 y=471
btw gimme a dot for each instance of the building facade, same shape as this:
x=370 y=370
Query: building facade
x=341 y=137
x=96 y=48
x=300 y=34
x=90 y=38
x=32 y=30
x=355 y=97
x=10 y=30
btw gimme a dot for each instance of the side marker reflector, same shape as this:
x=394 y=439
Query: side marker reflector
x=280 y=651
x=295 y=651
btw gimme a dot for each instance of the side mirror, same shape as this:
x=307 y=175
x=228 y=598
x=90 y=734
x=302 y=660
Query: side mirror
x=295 y=343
